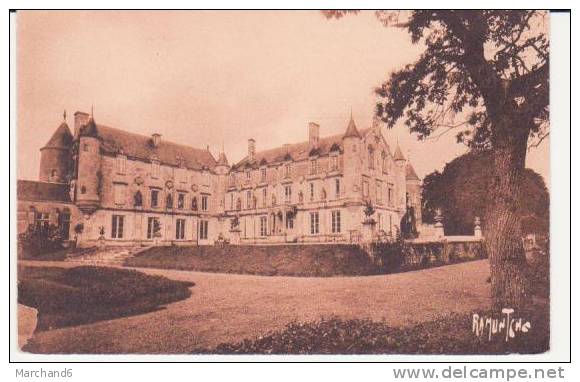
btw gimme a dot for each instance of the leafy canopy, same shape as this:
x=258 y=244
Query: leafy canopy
x=477 y=67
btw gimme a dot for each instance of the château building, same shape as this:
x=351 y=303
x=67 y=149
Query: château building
x=102 y=184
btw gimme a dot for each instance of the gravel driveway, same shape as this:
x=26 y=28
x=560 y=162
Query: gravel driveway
x=229 y=308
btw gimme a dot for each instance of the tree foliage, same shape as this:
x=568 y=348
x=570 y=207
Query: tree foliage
x=476 y=66
x=462 y=193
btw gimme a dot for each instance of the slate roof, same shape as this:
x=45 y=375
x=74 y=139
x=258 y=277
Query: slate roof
x=141 y=147
x=351 y=130
x=296 y=151
x=410 y=173
x=222 y=159
x=398 y=154
x=31 y=190
x=61 y=139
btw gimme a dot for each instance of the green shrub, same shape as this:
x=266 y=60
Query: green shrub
x=39 y=240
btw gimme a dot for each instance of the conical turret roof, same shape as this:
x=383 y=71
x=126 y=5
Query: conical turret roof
x=90 y=129
x=222 y=160
x=410 y=172
x=61 y=139
x=351 y=130
x=398 y=154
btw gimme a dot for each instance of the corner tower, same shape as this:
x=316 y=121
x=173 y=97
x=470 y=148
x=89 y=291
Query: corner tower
x=55 y=156
x=351 y=142
x=89 y=176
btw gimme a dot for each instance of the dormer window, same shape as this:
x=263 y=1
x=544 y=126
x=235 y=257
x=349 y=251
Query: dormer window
x=334 y=162
x=384 y=161
x=313 y=166
x=263 y=174
x=371 y=158
x=155 y=169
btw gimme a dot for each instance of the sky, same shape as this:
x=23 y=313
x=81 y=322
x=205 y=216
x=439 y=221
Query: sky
x=213 y=78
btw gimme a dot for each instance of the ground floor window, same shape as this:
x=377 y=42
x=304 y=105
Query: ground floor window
x=117 y=226
x=153 y=228
x=203 y=229
x=263 y=225
x=180 y=229
x=289 y=222
x=64 y=225
x=314 y=223
x=336 y=222
x=41 y=221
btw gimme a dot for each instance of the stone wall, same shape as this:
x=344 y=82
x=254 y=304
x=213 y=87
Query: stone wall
x=420 y=253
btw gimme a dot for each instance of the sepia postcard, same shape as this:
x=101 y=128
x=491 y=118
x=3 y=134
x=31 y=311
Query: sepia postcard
x=275 y=183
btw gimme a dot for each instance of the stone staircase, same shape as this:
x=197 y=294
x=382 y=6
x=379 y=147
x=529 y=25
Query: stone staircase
x=107 y=255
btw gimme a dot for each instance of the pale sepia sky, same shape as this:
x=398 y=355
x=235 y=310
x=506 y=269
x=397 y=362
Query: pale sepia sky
x=203 y=77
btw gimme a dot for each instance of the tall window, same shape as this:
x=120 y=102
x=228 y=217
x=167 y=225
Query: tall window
x=153 y=227
x=264 y=196
x=154 y=198
x=263 y=174
x=180 y=200
x=169 y=201
x=371 y=158
x=314 y=223
x=311 y=191
x=117 y=226
x=289 y=222
x=288 y=193
x=180 y=229
x=365 y=188
x=263 y=225
x=120 y=193
x=390 y=195
x=204 y=202
x=379 y=191
x=203 y=229
x=337 y=187
x=248 y=175
x=248 y=199
x=384 y=161
x=313 y=166
x=155 y=169
x=287 y=170
x=41 y=221
x=335 y=222
x=334 y=162
x=64 y=224
x=121 y=164
x=231 y=201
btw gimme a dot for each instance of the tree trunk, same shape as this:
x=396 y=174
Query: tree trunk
x=503 y=237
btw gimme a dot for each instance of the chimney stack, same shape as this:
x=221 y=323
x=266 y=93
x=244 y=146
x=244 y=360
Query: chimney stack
x=251 y=148
x=81 y=118
x=313 y=134
x=155 y=139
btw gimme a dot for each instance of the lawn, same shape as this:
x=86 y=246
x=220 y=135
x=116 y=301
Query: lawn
x=284 y=260
x=81 y=295
x=449 y=335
